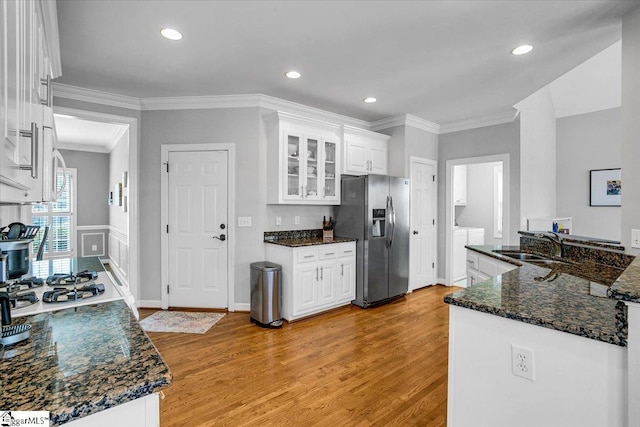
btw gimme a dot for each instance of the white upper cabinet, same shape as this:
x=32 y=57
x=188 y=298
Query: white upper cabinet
x=28 y=50
x=460 y=185
x=303 y=161
x=365 y=152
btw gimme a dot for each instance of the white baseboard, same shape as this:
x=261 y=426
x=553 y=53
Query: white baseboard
x=149 y=303
x=442 y=281
x=242 y=306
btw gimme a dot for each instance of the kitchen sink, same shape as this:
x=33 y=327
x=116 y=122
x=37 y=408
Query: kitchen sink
x=547 y=262
x=532 y=258
x=522 y=256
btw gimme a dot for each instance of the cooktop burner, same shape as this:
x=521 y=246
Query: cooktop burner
x=22 y=284
x=22 y=298
x=62 y=279
x=64 y=294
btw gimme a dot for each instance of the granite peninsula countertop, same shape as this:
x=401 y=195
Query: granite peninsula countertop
x=80 y=361
x=574 y=298
x=299 y=238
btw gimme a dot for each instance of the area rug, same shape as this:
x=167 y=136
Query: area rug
x=180 y=321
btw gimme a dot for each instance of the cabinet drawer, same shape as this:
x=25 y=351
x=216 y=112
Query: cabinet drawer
x=472 y=260
x=307 y=256
x=328 y=253
x=347 y=251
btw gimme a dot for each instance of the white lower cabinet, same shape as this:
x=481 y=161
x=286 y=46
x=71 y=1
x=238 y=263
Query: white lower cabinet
x=483 y=267
x=315 y=278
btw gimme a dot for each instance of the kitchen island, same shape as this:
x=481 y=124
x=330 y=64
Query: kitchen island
x=567 y=324
x=88 y=365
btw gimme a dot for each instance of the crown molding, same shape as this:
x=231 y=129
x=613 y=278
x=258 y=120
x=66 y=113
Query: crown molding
x=116 y=137
x=271 y=103
x=406 y=120
x=82 y=147
x=95 y=96
x=199 y=102
x=290 y=107
x=478 y=122
x=353 y=130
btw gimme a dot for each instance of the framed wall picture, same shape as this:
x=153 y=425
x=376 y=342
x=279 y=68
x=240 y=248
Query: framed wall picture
x=605 y=187
x=117 y=194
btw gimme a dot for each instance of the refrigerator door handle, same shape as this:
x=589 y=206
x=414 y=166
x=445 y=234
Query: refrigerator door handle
x=393 y=221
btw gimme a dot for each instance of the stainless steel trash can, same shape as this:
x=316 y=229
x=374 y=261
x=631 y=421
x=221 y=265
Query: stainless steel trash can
x=266 y=294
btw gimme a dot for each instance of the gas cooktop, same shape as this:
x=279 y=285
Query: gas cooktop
x=71 y=279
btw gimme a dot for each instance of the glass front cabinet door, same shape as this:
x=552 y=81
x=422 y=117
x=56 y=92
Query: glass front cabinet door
x=308 y=159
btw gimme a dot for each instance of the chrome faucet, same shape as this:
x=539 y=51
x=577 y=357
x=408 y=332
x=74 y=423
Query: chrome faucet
x=555 y=240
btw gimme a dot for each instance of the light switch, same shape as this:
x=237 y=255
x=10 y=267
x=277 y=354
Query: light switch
x=94 y=248
x=635 y=239
x=278 y=220
x=296 y=220
x=244 y=221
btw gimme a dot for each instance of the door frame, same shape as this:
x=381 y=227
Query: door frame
x=506 y=207
x=424 y=161
x=164 y=214
x=133 y=236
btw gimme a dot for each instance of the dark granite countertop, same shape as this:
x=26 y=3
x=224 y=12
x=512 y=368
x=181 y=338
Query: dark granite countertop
x=573 y=298
x=627 y=287
x=80 y=361
x=298 y=238
x=309 y=241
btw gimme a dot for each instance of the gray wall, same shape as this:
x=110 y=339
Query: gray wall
x=479 y=209
x=92 y=185
x=407 y=141
x=585 y=142
x=630 y=126
x=485 y=141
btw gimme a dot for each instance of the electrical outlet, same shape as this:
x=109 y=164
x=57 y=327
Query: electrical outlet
x=278 y=220
x=635 y=239
x=296 y=220
x=94 y=248
x=522 y=362
x=244 y=221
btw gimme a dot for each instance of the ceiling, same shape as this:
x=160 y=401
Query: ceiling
x=442 y=61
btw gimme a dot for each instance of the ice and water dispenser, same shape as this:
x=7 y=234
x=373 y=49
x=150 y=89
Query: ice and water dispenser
x=377 y=226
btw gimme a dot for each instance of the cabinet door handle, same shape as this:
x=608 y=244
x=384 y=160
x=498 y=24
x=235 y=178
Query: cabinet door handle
x=321 y=273
x=302 y=191
x=33 y=135
x=342 y=269
x=49 y=99
x=329 y=253
x=470 y=261
x=308 y=256
x=316 y=274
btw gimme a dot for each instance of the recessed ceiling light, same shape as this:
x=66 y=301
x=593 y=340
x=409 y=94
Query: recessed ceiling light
x=171 y=34
x=64 y=116
x=521 y=50
x=293 y=74
x=369 y=100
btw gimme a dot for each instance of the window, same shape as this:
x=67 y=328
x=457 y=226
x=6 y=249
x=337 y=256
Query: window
x=59 y=216
x=497 y=202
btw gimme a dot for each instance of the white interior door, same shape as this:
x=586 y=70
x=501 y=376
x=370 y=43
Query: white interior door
x=423 y=219
x=197 y=192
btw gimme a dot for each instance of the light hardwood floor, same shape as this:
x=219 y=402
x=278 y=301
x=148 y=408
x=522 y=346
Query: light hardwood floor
x=349 y=367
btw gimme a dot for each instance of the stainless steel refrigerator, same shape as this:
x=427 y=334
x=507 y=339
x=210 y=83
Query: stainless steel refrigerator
x=375 y=210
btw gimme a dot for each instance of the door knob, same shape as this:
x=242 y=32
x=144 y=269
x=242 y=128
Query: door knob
x=222 y=237
x=415 y=231
x=222 y=226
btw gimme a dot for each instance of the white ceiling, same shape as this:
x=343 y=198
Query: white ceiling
x=442 y=61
